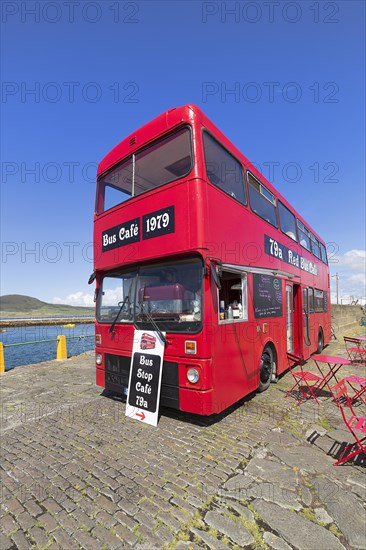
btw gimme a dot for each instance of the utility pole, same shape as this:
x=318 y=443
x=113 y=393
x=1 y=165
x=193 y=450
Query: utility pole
x=337 y=286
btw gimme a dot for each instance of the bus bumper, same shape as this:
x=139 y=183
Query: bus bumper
x=200 y=402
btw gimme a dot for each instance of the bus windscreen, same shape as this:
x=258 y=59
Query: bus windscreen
x=170 y=294
x=162 y=162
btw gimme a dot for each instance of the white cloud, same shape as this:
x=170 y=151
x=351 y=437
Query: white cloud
x=76 y=299
x=351 y=270
x=111 y=296
x=355 y=260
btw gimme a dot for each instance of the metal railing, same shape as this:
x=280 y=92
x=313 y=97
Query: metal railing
x=61 y=348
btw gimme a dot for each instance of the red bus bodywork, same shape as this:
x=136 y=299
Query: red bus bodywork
x=214 y=228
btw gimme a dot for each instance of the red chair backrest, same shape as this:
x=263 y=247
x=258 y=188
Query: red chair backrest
x=340 y=389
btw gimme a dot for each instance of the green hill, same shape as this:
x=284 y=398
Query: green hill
x=16 y=305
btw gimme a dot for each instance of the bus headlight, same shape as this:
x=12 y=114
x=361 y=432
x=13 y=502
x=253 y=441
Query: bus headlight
x=98 y=358
x=193 y=376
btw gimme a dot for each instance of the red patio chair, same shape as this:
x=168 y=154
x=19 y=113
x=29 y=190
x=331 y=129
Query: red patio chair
x=306 y=382
x=339 y=392
x=353 y=380
x=356 y=353
x=355 y=424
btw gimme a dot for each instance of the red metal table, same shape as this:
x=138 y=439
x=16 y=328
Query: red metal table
x=334 y=364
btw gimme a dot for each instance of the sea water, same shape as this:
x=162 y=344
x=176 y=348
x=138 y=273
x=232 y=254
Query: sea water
x=79 y=339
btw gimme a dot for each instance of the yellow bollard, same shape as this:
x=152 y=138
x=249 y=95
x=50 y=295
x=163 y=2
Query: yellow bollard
x=2 y=362
x=61 y=348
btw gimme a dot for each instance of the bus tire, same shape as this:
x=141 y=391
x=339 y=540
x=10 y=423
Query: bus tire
x=320 y=341
x=267 y=364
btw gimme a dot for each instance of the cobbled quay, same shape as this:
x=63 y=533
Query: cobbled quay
x=76 y=473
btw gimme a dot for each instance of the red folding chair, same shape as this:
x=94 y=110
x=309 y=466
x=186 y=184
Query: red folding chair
x=353 y=381
x=356 y=353
x=355 y=424
x=340 y=393
x=306 y=382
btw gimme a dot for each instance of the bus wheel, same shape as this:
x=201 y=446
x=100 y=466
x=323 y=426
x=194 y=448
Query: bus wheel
x=320 y=341
x=266 y=368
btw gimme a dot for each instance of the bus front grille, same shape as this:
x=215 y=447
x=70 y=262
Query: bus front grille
x=117 y=372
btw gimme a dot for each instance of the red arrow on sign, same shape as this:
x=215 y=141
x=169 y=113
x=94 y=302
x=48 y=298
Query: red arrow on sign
x=141 y=415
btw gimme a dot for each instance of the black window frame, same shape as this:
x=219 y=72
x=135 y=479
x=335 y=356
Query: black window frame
x=152 y=143
x=315 y=243
x=304 y=232
x=206 y=132
x=319 y=309
x=274 y=204
x=192 y=327
x=279 y=206
x=305 y=299
x=311 y=299
x=324 y=255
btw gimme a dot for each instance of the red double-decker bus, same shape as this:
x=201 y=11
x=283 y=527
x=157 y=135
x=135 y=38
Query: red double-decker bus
x=191 y=240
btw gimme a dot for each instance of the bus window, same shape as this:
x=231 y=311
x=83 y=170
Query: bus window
x=319 y=300
x=304 y=237
x=223 y=169
x=305 y=311
x=287 y=221
x=169 y=293
x=315 y=246
x=262 y=201
x=305 y=303
x=162 y=162
x=311 y=300
x=324 y=253
x=233 y=302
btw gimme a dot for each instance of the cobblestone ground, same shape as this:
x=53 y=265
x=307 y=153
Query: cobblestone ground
x=77 y=474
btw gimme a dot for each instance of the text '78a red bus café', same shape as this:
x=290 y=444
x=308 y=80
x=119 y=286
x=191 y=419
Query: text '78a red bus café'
x=191 y=240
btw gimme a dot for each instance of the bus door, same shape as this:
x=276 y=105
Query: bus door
x=234 y=343
x=305 y=318
x=292 y=318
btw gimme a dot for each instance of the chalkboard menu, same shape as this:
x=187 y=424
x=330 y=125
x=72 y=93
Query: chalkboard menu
x=267 y=296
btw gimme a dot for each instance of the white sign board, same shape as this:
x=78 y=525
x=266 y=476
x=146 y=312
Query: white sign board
x=143 y=396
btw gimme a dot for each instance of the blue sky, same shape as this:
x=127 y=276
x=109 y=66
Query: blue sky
x=285 y=81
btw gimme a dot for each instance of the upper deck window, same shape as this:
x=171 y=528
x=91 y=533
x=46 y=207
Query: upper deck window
x=287 y=221
x=324 y=253
x=315 y=246
x=304 y=235
x=223 y=169
x=162 y=162
x=262 y=201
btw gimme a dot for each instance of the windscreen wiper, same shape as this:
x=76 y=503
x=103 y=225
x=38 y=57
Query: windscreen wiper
x=111 y=328
x=151 y=320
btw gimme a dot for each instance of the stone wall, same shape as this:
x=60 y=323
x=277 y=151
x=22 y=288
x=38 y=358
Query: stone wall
x=345 y=318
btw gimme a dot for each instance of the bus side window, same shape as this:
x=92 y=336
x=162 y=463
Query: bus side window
x=319 y=300
x=324 y=253
x=233 y=303
x=311 y=300
x=262 y=201
x=315 y=246
x=223 y=169
x=304 y=235
x=287 y=221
